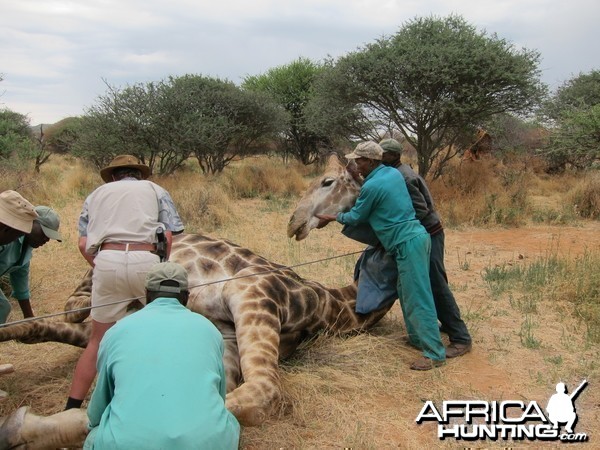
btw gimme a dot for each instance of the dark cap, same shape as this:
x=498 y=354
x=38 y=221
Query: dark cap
x=167 y=271
x=391 y=145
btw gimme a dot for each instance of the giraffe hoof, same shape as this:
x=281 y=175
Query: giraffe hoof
x=6 y=368
x=247 y=416
x=10 y=429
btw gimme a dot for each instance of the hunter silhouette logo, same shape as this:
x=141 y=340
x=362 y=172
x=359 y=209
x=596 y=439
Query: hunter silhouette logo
x=472 y=420
x=561 y=407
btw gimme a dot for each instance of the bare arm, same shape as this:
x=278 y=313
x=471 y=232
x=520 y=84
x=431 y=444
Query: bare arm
x=81 y=244
x=324 y=219
x=26 y=308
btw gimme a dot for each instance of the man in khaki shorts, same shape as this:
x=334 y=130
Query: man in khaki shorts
x=118 y=237
x=16 y=219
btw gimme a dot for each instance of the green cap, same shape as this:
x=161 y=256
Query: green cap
x=391 y=145
x=49 y=220
x=167 y=271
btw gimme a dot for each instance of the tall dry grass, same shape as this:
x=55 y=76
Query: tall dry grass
x=489 y=193
x=207 y=203
x=585 y=196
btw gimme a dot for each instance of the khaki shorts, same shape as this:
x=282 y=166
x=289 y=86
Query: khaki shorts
x=118 y=276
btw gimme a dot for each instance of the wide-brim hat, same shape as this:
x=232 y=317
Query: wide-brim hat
x=16 y=212
x=124 y=161
x=369 y=149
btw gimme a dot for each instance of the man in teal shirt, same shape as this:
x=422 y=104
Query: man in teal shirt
x=161 y=379
x=15 y=259
x=385 y=204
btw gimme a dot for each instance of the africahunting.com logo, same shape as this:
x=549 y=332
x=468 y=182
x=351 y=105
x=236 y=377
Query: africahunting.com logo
x=472 y=420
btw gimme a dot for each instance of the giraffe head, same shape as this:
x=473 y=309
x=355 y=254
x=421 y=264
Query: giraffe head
x=333 y=192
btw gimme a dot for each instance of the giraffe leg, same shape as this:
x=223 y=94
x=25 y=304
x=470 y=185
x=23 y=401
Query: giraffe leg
x=80 y=298
x=25 y=430
x=44 y=330
x=257 y=331
x=289 y=342
x=231 y=357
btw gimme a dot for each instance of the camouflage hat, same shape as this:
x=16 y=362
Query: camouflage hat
x=49 y=220
x=369 y=149
x=16 y=212
x=167 y=271
x=391 y=145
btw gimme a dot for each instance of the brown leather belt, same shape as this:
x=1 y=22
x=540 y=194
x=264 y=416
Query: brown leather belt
x=133 y=247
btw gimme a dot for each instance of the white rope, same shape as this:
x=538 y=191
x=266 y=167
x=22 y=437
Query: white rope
x=87 y=308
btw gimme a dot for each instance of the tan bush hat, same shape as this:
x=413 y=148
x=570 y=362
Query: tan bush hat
x=124 y=161
x=167 y=271
x=369 y=149
x=16 y=212
x=49 y=220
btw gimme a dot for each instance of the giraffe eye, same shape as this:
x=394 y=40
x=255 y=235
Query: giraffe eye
x=327 y=182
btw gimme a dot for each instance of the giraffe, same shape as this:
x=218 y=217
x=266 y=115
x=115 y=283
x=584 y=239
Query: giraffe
x=334 y=191
x=263 y=310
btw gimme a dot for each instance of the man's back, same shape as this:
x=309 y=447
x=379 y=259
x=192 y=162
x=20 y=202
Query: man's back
x=391 y=216
x=421 y=198
x=162 y=371
x=125 y=210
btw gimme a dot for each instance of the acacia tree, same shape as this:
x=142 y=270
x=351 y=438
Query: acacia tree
x=435 y=80
x=581 y=91
x=573 y=115
x=291 y=87
x=216 y=121
x=61 y=136
x=165 y=122
x=135 y=120
x=16 y=139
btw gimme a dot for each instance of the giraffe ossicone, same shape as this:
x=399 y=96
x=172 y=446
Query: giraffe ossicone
x=263 y=314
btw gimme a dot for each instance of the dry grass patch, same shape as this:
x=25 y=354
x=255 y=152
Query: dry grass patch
x=585 y=196
x=263 y=177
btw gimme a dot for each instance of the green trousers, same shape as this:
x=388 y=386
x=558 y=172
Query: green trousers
x=416 y=299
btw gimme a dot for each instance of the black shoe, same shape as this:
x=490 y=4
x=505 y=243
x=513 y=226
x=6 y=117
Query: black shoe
x=454 y=350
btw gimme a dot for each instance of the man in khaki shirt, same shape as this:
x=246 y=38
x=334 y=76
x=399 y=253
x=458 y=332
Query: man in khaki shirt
x=118 y=237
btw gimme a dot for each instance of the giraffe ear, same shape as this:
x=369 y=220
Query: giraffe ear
x=333 y=162
x=351 y=166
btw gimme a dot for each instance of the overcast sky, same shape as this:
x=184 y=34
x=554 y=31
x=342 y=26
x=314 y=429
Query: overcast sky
x=54 y=55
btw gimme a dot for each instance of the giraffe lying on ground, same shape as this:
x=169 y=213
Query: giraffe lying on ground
x=264 y=312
